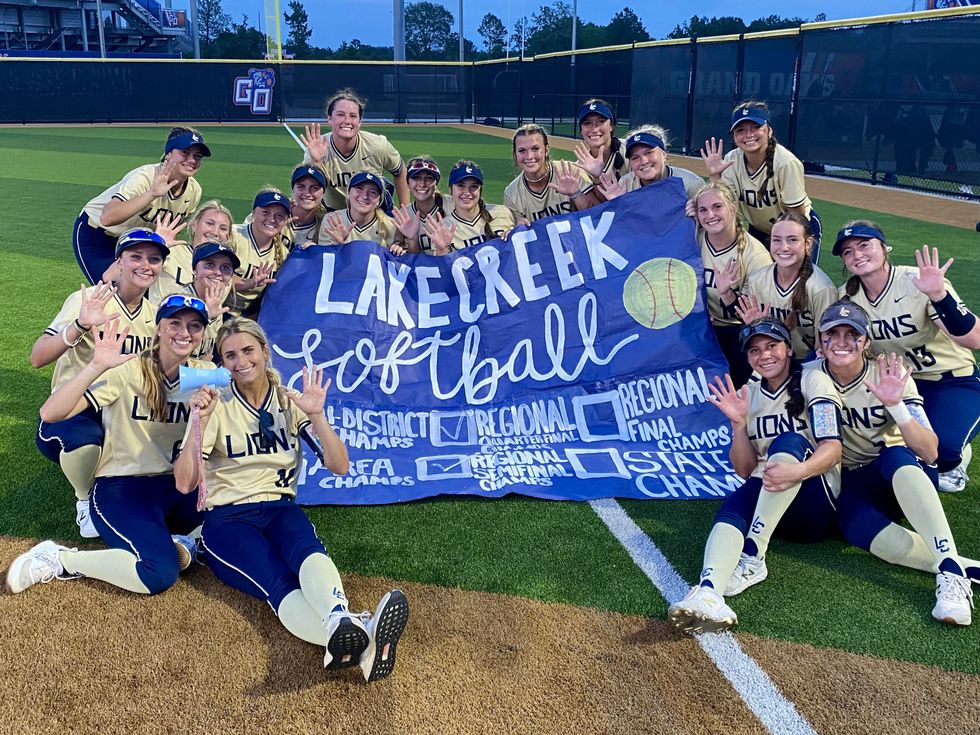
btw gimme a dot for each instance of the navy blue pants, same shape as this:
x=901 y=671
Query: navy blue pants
x=139 y=514
x=95 y=249
x=258 y=548
x=953 y=407
x=82 y=430
x=811 y=517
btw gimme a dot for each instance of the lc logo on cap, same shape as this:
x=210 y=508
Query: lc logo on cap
x=592 y=106
x=469 y=169
x=844 y=311
x=847 y=232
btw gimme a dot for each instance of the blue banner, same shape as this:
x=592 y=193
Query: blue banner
x=570 y=362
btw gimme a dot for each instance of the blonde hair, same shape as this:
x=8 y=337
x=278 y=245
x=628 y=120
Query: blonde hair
x=280 y=251
x=244 y=325
x=205 y=207
x=854 y=282
x=728 y=196
x=153 y=377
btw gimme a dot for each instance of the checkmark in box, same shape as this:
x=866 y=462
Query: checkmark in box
x=600 y=417
x=588 y=463
x=452 y=429
x=445 y=467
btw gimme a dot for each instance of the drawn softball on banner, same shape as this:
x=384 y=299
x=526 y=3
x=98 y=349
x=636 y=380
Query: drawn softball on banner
x=660 y=292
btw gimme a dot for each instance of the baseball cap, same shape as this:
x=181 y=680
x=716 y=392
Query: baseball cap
x=176 y=302
x=600 y=108
x=643 y=138
x=753 y=114
x=270 y=199
x=366 y=177
x=465 y=172
x=765 y=327
x=300 y=171
x=183 y=141
x=863 y=232
x=420 y=166
x=209 y=249
x=845 y=312
x=139 y=236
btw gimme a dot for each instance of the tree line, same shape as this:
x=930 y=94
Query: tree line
x=430 y=33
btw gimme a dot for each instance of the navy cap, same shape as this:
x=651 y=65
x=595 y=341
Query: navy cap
x=465 y=172
x=176 y=302
x=209 y=249
x=271 y=199
x=864 y=232
x=139 y=236
x=366 y=177
x=845 y=312
x=765 y=327
x=300 y=171
x=600 y=108
x=183 y=141
x=753 y=114
x=643 y=138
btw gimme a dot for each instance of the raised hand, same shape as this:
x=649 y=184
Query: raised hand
x=315 y=144
x=584 y=159
x=214 y=299
x=205 y=399
x=336 y=229
x=749 y=309
x=440 y=233
x=262 y=277
x=566 y=181
x=892 y=376
x=610 y=186
x=931 y=279
x=92 y=311
x=109 y=343
x=713 y=155
x=168 y=226
x=314 y=394
x=728 y=277
x=163 y=178
x=407 y=221
x=733 y=403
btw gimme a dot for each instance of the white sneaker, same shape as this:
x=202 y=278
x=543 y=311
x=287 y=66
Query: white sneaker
x=186 y=547
x=702 y=611
x=83 y=517
x=347 y=639
x=953 y=481
x=39 y=564
x=385 y=629
x=749 y=571
x=954 y=599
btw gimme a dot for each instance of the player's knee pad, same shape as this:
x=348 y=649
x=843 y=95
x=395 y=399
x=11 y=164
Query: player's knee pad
x=791 y=443
x=891 y=459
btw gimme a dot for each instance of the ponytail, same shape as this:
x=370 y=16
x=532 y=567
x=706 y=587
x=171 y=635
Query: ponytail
x=617 y=155
x=154 y=392
x=795 y=402
x=485 y=215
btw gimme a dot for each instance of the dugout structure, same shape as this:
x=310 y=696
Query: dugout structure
x=889 y=100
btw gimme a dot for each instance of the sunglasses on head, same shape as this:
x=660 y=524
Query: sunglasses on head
x=423 y=166
x=183 y=302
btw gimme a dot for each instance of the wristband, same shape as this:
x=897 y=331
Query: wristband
x=64 y=337
x=957 y=319
x=900 y=413
x=80 y=328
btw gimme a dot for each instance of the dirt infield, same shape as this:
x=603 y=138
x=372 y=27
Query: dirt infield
x=920 y=206
x=82 y=657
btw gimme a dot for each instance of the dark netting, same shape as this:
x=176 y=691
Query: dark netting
x=497 y=93
x=661 y=77
x=768 y=66
x=126 y=91
x=715 y=79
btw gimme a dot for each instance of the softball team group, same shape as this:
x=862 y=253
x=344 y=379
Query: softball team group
x=848 y=410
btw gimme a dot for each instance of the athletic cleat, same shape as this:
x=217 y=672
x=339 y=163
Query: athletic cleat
x=385 y=629
x=83 y=517
x=187 y=550
x=39 y=564
x=702 y=611
x=954 y=599
x=347 y=639
x=953 y=481
x=749 y=571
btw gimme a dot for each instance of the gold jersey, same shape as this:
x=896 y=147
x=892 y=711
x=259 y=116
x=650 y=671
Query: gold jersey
x=177 y=273
x=135 y=444
x=768 y=416
x=136 y=182
x=754 y=256
x=209 y=340
x=380 y=229
x=252 y=258
x=692 y=182
x=820 y=293
x=786 y=188
x=141 y=323
x=473 y=232
x=372 y=152
x=300 y=235
x=530 y=205
x=867 y=425
x=904 y=321
x=239 y=464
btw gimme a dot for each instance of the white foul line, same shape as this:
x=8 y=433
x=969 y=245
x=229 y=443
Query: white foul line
x=762 y=696
x=298 y=141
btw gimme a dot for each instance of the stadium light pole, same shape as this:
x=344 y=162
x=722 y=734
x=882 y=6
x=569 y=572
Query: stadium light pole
x=398 y=12
x=98 y=10
x=461 y=41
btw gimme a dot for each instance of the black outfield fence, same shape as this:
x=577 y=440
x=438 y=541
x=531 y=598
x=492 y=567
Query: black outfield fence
x=892 y=100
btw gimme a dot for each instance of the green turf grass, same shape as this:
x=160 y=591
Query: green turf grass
x=824 y=594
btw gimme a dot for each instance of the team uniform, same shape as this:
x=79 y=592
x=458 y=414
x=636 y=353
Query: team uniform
x=610 y=165
x=252 y=258
x=379 y=229
x=473 y=232
x=425 y=242
x=372 y=152
x=820 y=293
x=302 y=235
x=524 y=203
x=692 y=182
x=209 y=341
x=177 y=273
x=904 y=321
x=94 y=244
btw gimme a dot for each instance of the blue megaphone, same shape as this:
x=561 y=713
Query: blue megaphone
x=194 y=378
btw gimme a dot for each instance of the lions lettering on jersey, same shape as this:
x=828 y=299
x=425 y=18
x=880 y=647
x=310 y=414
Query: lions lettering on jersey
x=177 y=413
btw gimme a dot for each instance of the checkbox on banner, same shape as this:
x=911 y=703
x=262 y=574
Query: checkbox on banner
x=445 y=467
x=588 y=463
x=595 y=415
x=452 y=429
